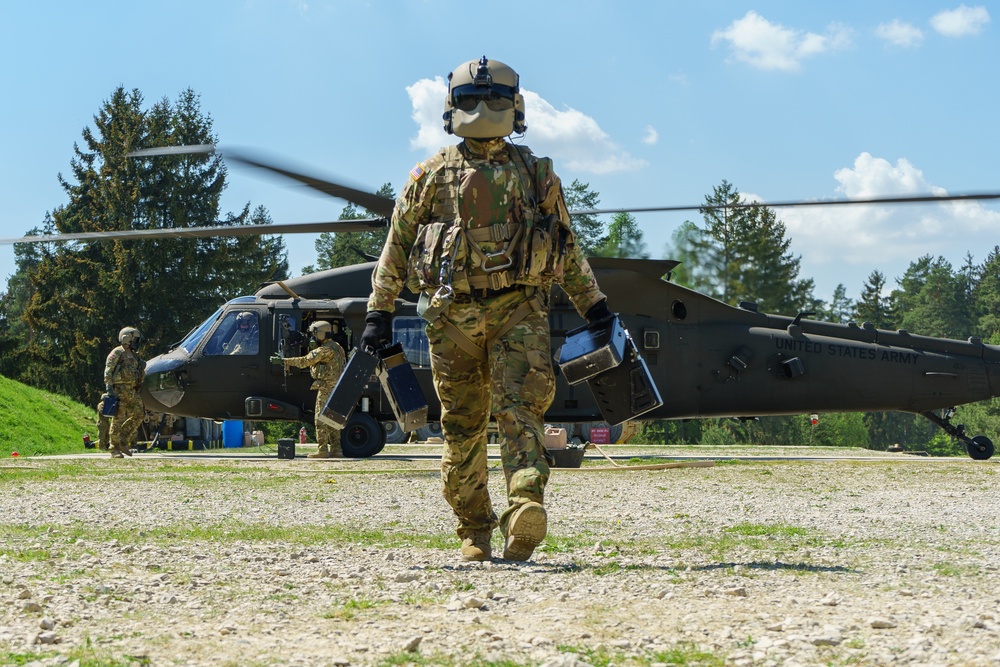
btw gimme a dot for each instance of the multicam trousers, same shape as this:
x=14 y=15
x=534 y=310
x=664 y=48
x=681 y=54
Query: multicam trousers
x=125 y=424
x=516 y=384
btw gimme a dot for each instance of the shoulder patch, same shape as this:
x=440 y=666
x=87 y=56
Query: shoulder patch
x=417 y=172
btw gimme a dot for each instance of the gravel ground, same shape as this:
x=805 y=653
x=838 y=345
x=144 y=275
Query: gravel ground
x=229 y=560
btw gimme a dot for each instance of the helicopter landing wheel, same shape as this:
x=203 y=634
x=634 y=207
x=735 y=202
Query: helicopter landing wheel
x=430 y=430
x=394 y=433
x=363 y=437
x=981 y=448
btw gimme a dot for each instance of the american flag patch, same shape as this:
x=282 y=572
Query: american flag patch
x=417 y=172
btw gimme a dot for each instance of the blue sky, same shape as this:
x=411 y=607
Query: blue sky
x=651 y=103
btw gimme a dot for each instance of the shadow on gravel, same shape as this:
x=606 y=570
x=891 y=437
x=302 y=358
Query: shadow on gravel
x=608 y=567
x=777 y=565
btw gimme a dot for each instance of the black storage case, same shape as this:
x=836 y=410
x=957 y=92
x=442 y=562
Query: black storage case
x=626 y=391
x=286 y=448
x=357 y=373
x=592 y=349
x=401 y=388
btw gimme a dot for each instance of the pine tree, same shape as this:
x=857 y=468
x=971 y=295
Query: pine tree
x=624 y=239
x=934 y=299
x=874 y=306
x=82 y=294
x=588 y=229
x=986 y=297
x=742 y=254
x=344 y=249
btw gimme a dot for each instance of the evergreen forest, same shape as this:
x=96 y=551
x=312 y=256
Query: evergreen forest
x=65 y=303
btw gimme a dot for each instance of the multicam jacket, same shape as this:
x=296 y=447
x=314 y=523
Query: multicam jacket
x=124 y=369
x=325 y=363
x=509 y=207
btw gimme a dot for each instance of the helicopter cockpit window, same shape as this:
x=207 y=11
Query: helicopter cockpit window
x=237 y=334
x=410 y=332
x=191 y=341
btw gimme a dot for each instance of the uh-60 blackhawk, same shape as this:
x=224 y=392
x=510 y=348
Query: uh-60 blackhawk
x=708 y=359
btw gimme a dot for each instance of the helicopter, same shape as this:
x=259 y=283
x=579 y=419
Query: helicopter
x=708 y=359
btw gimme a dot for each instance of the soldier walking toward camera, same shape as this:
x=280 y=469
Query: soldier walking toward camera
x=481 y=232
x=325 y=364
x=123 y=375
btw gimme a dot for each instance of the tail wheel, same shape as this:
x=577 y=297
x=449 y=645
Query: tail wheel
x=981 y=448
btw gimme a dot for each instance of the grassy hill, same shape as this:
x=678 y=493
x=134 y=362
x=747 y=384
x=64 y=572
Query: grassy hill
x=34 y=422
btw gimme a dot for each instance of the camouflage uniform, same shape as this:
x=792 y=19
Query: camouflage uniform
x=243 y=342
x=479 y=186
x=125 y=370
x=325 y=364
x=103 y=426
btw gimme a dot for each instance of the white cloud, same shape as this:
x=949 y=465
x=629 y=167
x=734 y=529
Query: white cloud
x=651 y=137
x=901 y=34
x=887 y=238
x=961 y=21
x=771 y=46
x=427 y=100
x=573 y=139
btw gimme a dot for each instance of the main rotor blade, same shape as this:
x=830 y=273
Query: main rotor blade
x=363 y=225
x=897 y=199
x=375 y=203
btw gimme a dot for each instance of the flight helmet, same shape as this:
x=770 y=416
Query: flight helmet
x=244 y=320
x=130 y=336
x=320 y=330
x=484 y=101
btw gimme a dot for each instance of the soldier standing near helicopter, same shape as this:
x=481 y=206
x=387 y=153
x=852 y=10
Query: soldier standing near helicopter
x=325 y=364
x=481 y=232
x=123 y=375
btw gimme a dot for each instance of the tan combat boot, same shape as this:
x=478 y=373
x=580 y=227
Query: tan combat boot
x=525 y=531
x=321 y=453
x=476 y=545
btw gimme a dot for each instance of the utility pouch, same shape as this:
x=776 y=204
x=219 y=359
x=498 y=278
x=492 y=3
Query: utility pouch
x=545 y=251
x=357 y=374
x=432 y=306
x=109 y=405
x=401 y=387
x=439 y=249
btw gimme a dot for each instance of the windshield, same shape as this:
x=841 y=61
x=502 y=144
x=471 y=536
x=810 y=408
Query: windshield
x=193 y=338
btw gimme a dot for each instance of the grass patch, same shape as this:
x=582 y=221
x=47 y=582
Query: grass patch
x=227 y=532
x=35 y=422
x=84 y=657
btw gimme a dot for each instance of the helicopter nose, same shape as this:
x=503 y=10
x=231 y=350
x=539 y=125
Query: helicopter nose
x=162 y=386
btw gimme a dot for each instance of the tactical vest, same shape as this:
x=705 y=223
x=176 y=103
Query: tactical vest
x=528 y=250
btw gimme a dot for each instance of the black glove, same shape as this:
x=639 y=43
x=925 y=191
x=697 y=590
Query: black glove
x=110 y=388
x=378 y=328
x=599 y=311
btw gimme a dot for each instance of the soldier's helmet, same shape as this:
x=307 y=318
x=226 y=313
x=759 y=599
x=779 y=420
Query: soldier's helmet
x=484 y=101
x=130 y=336
x=320 y=330
x=244 y=320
